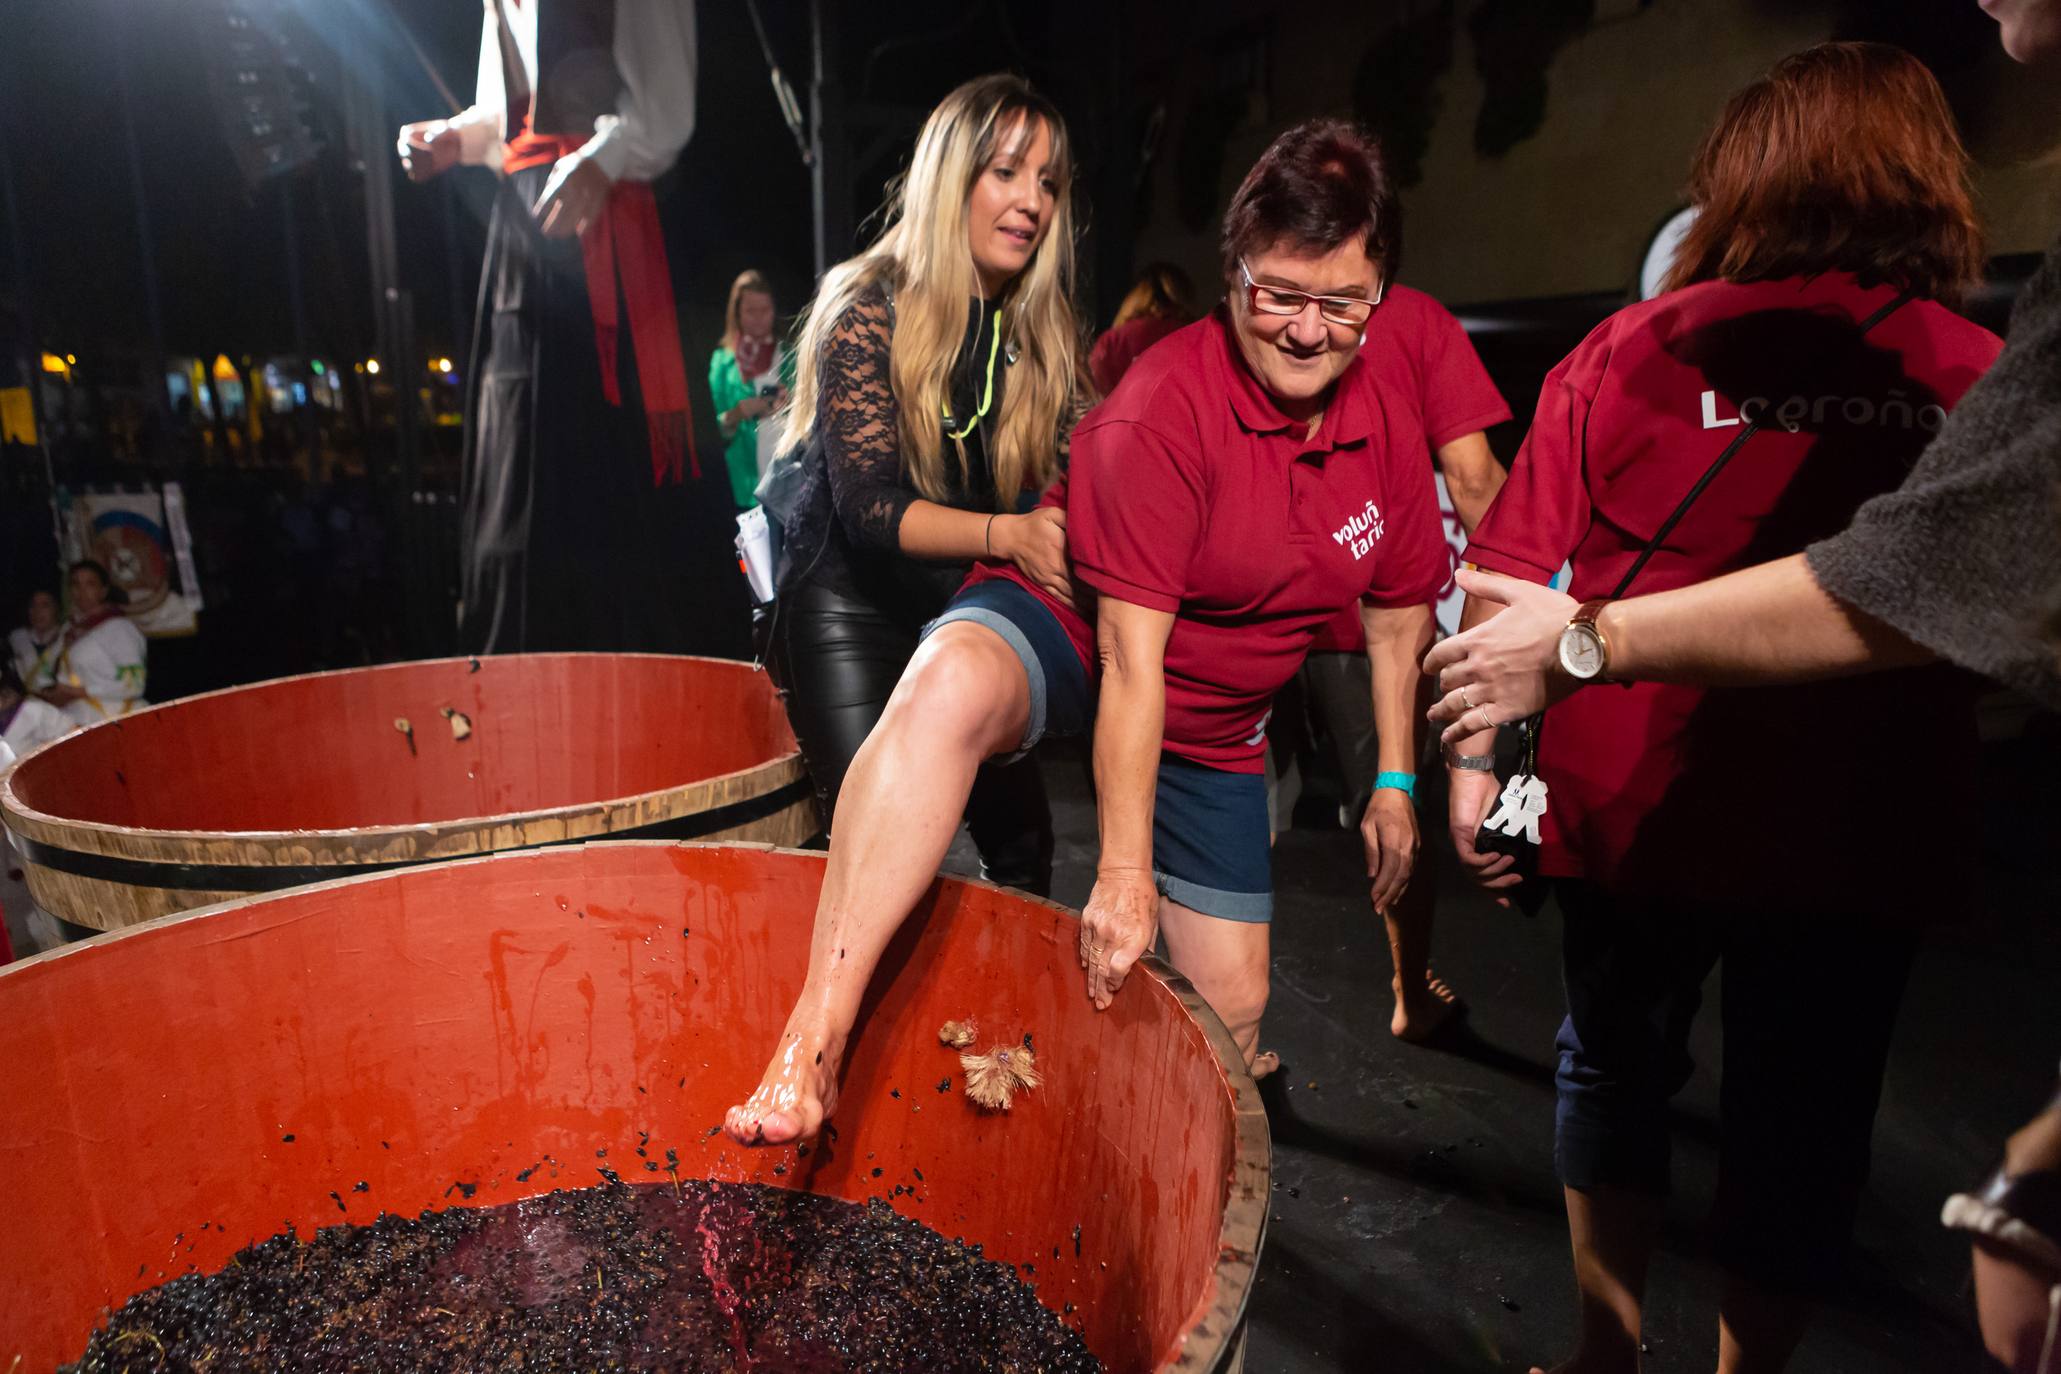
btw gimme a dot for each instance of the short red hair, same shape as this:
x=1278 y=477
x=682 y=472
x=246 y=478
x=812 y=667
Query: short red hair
x=1317 y=186
x=1844 y=157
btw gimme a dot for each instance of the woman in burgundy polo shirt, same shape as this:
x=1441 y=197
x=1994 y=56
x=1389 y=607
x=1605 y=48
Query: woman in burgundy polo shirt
x=1422 y=359
x=1244 y=484
x=1683 y=825
x=1156 y=305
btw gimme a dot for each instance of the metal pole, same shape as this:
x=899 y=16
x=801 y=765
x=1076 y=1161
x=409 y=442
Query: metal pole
x=461 y=316
x=32 y=364
x=304 y=411
x=120 y=20
x=828 y=164
x=371 y=136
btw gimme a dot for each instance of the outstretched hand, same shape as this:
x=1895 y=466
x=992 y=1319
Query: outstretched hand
x=1503 y=669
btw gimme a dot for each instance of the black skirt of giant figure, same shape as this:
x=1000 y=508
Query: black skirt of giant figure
x=567 y=543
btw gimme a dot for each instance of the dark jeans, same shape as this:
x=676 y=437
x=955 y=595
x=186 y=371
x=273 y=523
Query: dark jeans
x=840 y=658
x=1809 y=1001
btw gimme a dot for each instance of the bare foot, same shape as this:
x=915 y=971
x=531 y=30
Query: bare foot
x=1420 y=1016
x=798 y=1092
x=1264 y=1063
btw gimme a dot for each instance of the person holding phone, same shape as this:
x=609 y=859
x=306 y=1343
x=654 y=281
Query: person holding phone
x=748 y=376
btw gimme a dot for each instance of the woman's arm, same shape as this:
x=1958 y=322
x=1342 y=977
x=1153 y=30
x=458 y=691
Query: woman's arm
x=1771 y=623
x=1473 y=477
x=1122 y=914
x=1396 y=639
x=726 y=388
x=858 y=416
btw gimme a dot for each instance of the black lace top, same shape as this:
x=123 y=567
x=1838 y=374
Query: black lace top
x=846 y=531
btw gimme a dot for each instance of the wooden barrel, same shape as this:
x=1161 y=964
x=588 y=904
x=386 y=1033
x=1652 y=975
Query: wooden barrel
x=475 y=1033
x=332 y=775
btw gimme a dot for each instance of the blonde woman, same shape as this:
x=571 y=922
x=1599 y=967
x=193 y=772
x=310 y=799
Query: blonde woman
x=935 y=373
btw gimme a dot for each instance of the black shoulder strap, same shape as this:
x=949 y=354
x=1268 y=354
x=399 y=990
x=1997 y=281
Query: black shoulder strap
x=1738 y=442
x=1530 y=725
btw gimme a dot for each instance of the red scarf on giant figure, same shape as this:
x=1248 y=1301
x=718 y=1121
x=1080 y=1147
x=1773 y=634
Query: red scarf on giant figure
x=626 y=243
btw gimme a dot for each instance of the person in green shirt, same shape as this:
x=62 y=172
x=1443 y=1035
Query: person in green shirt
x=747 y=378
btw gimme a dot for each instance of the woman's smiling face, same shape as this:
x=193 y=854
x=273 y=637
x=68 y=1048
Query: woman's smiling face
x=1011 y=205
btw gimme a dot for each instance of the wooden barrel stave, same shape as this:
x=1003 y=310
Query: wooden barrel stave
x=88 y=862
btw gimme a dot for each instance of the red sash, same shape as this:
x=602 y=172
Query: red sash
x=626 y=243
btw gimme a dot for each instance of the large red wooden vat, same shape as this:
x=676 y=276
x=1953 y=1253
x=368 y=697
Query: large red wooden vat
x=174 y=1091
x=330 y=775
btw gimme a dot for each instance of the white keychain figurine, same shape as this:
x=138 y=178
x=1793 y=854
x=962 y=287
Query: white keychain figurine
x=1522 y=803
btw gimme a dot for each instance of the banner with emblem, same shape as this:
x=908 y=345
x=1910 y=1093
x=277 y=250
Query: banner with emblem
x=140 y=537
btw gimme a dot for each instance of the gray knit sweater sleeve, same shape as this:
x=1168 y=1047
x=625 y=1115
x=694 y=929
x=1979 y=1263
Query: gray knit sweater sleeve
x=1965 y=557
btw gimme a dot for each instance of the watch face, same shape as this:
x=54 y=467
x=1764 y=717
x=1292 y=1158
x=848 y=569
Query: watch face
x=1581 y=651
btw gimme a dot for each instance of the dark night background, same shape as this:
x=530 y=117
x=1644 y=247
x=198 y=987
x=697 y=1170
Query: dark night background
x=350 y=558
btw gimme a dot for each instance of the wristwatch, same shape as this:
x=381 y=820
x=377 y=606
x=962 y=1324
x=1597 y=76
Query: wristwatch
x=1468 y=763
x=1584 y=652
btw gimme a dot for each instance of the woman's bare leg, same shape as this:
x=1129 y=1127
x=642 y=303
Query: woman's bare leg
x=963 y=698
x=1613 y=1231
x=1228 y=963
x=1423 y=1000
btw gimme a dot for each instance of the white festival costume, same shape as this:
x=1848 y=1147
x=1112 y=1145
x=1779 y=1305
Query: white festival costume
x=107 y=663
x=35 y=665
x=36 y=722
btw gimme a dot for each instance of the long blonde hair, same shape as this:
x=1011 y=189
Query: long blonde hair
x=1162 y=291
x=749 y=280
x=925 y=259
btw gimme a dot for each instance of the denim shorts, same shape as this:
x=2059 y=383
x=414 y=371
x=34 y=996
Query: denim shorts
x=1209 y=827
x=1059 y=700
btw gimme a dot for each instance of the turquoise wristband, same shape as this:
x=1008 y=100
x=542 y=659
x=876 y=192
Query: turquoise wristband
x=1405 y=783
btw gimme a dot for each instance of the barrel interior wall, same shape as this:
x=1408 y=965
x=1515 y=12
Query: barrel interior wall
x=328 y=751
x=485 y=1031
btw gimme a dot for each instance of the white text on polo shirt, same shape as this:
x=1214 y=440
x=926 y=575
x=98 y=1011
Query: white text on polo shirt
x=1361 y=531
x=1794 y=412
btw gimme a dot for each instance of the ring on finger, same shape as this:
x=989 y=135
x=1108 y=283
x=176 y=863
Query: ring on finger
x=1464 y=701
x=1486 y=723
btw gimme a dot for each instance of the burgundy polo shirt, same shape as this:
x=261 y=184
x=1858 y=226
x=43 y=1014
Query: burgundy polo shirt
x=1189 y=491
x=1425 y=364
x=1119 y=347
x=1799 y=796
